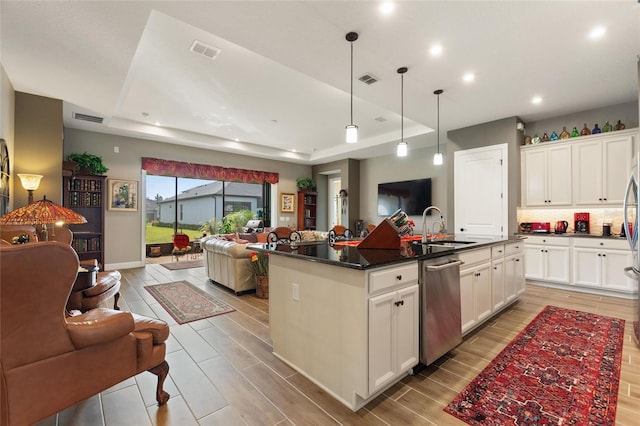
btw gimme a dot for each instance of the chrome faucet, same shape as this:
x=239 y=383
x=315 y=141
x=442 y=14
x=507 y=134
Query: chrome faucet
x=425 y=234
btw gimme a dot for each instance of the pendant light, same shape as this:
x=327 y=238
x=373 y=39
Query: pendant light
x=401 y=149
x=352 y=129
x=437 y=157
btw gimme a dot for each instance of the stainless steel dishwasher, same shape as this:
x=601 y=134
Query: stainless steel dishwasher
x=440 y=319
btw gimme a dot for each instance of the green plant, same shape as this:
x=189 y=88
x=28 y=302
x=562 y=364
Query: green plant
x=88 y=162
x=305 y=183
x=260 y=263
x=234 y=222
x=212 y=226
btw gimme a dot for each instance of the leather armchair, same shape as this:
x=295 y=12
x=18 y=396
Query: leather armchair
x=49 y=361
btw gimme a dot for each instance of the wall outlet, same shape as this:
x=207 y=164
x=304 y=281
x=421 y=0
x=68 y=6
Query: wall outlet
x=295 y=291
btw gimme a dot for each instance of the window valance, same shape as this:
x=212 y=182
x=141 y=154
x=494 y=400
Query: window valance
x=160 y=167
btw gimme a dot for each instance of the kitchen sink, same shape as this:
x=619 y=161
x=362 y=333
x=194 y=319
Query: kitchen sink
x=450 y=243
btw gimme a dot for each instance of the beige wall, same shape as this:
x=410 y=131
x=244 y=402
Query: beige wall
x=38 y=146
x=7 y=102
x=349 y=172
x=124 y=230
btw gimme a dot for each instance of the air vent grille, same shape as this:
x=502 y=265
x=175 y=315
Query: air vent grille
x=380 y=119
x=86 y=117
x=367 y=79
x=204 y=49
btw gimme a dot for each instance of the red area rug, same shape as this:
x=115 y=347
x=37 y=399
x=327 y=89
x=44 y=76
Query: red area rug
x=562 y=369
x=186 y=302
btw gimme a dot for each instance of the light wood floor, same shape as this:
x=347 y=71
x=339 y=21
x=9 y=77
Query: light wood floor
x=223 y=372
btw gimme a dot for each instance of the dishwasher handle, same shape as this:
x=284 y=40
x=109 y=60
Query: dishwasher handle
x=431 y=268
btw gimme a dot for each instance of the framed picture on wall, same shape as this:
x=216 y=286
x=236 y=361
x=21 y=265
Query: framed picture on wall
x=287 y=202
x=123 y=195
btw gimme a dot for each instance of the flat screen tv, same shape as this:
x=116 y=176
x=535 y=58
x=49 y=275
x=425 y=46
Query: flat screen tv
x=412 y=196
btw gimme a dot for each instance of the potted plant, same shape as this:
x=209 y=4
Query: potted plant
x=305 y=184
x=260 y=266
x=88 y=164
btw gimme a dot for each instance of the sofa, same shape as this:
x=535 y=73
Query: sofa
x=228 y=262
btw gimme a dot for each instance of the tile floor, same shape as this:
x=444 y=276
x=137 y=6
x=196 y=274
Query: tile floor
x=223 y=372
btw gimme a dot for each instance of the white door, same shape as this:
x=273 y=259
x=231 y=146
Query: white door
x=407 y=324
x=381 y=335
x=617 y=158
x=498 y=284
x=480 y=182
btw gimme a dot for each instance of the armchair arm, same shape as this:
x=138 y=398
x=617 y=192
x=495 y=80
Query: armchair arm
x=158 y=329
x=99 y=326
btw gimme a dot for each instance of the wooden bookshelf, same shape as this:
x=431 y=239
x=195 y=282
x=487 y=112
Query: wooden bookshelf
x=86 y=195
x=307 y=210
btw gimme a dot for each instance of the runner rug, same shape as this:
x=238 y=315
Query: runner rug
x=186 y=302
x=184 y=264
x=563 y=368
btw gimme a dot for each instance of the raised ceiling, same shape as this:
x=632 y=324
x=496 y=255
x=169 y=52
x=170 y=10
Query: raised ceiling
x=279 y=85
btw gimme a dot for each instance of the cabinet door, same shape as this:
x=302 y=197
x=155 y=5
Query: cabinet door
x=482 y=292
x=559 y=176
x=513 y=276
x=557 y=263
x=613 y=264
x=587 y=173
x=498 y=284
x=381 y=356
x=587 y=267
x=407 y=333
x=534 y=265
x=616 y=158
x=534 y=181
x=467 y=310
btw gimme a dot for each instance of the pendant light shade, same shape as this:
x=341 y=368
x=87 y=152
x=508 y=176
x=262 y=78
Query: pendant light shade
x=437 y=157
x=402 y=147
x=352 y=129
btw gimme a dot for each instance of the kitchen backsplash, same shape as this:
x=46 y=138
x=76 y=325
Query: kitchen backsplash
x=597 y=217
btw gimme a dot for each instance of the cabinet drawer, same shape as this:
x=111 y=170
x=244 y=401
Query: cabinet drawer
x=513 y=248
x=554 y=241
x=601 y=243
x=393 y=277
x=497 y=251
x=472 y=257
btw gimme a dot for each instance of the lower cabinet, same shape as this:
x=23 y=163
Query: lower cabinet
x=600 y=263
x=476 y=302
x=393 y=335
x=548 y=259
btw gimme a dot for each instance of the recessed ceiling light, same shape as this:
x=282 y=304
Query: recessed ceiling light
x=386 y=7
x=597 y=32
x=294 y=150
x=469 y=77
x=436 y=50
x=157 y=123
x=236 y=139
x=536 y=100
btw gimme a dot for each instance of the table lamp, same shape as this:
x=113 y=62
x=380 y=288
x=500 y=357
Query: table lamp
x=42 y=212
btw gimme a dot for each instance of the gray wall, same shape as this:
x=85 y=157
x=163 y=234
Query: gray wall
x=417 y=165
x=627 y=113
x=124 y=237
x=492 y=133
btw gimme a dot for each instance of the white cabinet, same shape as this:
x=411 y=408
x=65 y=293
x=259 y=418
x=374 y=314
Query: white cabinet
x=393 y=325
x=546 y=176
x=497 y=277
x=476 y=302
x=513 y=271
x=547 y=259
x=601 y=168
x=600 y=263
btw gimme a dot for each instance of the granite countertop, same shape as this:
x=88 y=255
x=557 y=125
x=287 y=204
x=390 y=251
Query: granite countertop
x=570 y=234
x=350 y=256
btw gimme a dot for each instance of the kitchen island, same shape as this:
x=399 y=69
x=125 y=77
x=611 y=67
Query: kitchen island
x=348 y=318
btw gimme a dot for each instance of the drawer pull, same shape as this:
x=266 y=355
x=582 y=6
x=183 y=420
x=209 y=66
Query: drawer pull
x=398 y=277
x=399 y=303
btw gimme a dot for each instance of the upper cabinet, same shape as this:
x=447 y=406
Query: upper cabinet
x=546 y=176
x=601 y=169
x=585 y=171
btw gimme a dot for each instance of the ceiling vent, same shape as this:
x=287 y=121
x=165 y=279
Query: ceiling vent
x=204 y=49
x=85 y=117
x=367 y=79
x=380 y=119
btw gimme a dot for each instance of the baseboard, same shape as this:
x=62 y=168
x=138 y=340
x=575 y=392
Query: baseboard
x=123 y=265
